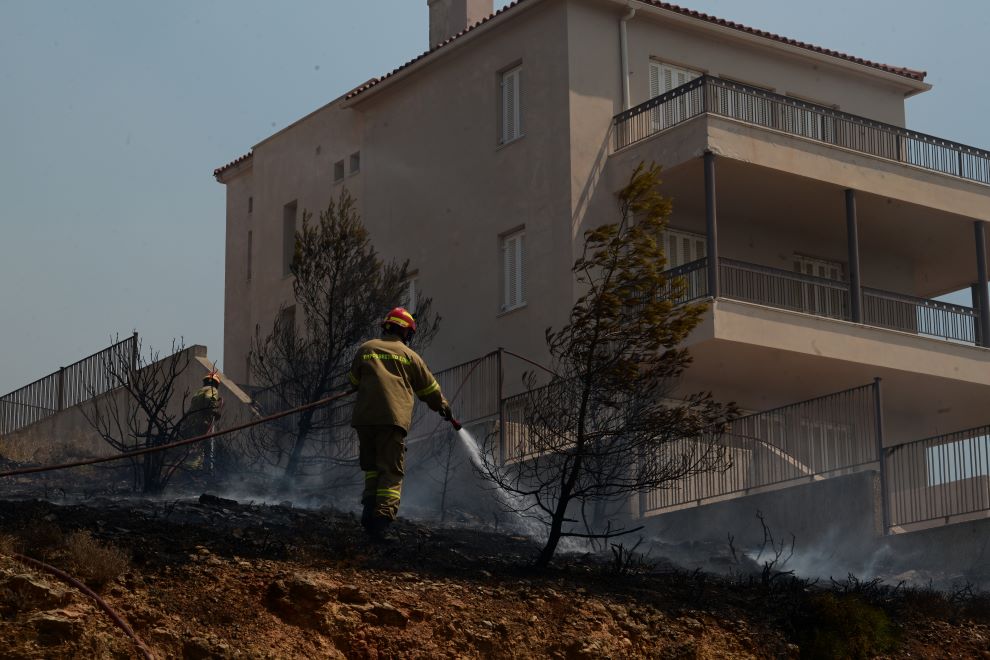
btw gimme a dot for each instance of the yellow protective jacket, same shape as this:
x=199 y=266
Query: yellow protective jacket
x=204 y=410
x=389 y=376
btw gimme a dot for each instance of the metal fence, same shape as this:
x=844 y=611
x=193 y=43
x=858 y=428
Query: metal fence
x=474 y=391
x=797 y=443
x=821 y=296
x=939 y=477
x=760 y=107
x=67 y=387
x=694 y=276
x=783 y=289
x=930 y=318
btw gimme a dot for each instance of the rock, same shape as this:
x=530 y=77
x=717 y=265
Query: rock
x=352 y=595
x=53 y=628
x=201 y=648
x=388 y=615
x=25 y=593
x=692 y=624
x=298 y=599
x=213 y=500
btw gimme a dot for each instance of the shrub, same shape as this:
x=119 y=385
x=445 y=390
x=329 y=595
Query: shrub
x=843 y=626
x=94 y=563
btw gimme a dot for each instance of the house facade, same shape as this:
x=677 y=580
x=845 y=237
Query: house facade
x=818 y=225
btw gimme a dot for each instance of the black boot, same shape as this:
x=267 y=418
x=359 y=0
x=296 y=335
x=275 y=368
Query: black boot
x=378 y=530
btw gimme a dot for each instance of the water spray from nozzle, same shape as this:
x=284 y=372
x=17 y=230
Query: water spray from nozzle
x=449 y=416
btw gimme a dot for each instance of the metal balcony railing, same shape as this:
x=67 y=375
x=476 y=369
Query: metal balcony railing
x=67 y=387
x=938 y=478
x=760 y=107
x=820 y=296
x=797 y=443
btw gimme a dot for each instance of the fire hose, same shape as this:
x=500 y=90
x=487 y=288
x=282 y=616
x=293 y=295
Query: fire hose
x=68 y=579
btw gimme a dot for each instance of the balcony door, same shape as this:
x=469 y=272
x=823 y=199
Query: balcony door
x=665 y=78
x=828 y=294
x=682 y=247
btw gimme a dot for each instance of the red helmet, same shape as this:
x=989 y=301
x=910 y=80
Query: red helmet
x=212 y=377
x=401 y=318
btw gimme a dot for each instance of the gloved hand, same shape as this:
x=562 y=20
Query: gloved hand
x=445 y=412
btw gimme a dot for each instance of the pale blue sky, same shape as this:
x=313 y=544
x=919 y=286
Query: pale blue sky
x=114 y=113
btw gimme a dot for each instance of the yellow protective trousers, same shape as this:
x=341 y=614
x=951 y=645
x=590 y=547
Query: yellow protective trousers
x=382 y=455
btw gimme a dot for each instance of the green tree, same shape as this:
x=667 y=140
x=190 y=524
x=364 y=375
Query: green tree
x=342 y=289
x=606 y=426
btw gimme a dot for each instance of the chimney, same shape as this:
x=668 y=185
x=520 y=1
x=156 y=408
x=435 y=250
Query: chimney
x=448 y=17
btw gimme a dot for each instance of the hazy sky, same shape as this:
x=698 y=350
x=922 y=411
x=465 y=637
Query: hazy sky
x=114 y=113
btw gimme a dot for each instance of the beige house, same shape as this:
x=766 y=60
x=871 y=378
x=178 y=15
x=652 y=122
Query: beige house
x=819 y=225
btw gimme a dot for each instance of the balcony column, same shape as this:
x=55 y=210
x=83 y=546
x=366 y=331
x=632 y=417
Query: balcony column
x=852 y=240
x=711 y=225
x=982 y=295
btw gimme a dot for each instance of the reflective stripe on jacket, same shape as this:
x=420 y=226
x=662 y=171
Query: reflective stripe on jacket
x=389 y=376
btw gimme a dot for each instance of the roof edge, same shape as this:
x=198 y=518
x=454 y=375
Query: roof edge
x=219 y=172
x=914 y=78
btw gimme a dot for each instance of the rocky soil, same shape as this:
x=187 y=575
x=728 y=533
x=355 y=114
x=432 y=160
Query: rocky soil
x=219 y=579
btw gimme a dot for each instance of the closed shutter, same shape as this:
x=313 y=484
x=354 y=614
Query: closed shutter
x=511 y=105
x=513 y=273
x=683 y=247
x=664 y=78
x=410 y=294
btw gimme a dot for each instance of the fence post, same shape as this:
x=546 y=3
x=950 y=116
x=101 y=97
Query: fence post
x=881 y=456
x=501 y=406
x=711 y=225
x=60 y=402
x=974 y=291
x=852 y=244
x=980 y=234
x=134 y=353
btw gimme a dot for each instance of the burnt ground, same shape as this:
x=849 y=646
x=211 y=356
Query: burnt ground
x=216 y=579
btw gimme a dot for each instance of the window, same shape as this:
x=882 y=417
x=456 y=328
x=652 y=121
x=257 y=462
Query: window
x=250 y=245
x=830 y=270
x=355 y=162
x=821 y=299
x=288 y=236
x=513 y=271
x=682 y=247
x=338 y=171
x=664 y=78
x=510 y=106
x=250 y=204
x=411 y=295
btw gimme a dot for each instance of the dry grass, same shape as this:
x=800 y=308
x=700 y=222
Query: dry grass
x=93 y=562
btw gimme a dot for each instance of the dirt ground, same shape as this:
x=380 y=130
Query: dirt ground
x=216 y=579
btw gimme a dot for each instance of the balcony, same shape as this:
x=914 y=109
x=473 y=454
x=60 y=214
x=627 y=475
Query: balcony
x=818 y=296
x=757 y=107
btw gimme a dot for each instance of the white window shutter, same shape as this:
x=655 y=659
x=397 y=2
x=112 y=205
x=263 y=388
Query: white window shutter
x=520 y=261
x=517 y=102
x=411 y=295
x=511 y=105
x=513 y=274
x=655 y=79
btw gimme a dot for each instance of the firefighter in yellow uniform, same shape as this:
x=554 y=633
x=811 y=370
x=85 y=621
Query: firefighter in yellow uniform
x=388 y=377
x=204 y=410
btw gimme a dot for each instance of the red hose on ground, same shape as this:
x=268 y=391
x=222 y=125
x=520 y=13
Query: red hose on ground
x=172 y=445
x=68 y=579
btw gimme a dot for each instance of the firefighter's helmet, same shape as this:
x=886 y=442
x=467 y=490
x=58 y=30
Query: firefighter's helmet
x=400 y=318
x=212 y=377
